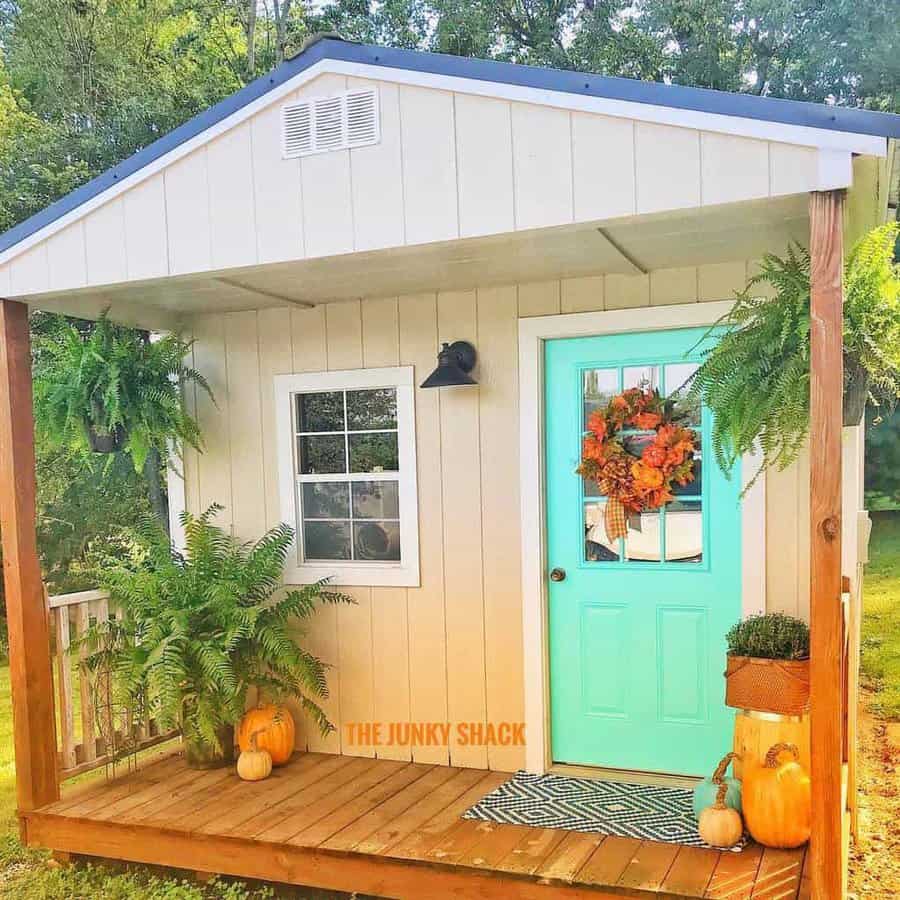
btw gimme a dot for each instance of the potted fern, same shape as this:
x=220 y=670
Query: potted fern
x=768 y=665
x=195 y=631
x=755 y=378
x=107 y=388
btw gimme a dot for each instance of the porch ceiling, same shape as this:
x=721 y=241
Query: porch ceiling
x=627 y=246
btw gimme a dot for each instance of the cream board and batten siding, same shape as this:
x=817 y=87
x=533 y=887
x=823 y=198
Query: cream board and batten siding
x=448 y=165
x=450 y=649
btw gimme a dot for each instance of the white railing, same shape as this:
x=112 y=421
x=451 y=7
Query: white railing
x=100 y=731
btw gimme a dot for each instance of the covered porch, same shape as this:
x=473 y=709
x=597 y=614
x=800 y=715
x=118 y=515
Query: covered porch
x=393 y=827
x=387 y=828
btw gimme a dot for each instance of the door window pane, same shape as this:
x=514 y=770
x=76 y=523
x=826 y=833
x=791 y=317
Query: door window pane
x=376 y=500
x=692 y=488
x=600 y=386
x=326 y=500
x=374 y=452
x=371 y=410
x=326 y=540
x=640 y=377
x=376 y=541
x=597 y=546
x=678 y=382
x=642 y=542
x=321 y=411
x=322 y=454
x=684 y=532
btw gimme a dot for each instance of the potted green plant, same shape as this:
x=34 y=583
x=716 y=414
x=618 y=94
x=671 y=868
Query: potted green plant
x=768 y=665
x=107 y=388
x=195 y=631
x=755 y=377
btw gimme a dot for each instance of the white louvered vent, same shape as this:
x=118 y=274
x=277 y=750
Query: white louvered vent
x=321 y=124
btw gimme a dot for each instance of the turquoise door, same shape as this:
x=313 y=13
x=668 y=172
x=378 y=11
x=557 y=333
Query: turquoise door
x=637 y=625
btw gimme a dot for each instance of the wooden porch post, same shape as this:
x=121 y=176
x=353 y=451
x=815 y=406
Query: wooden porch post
x=826 y=390
x=27 y=617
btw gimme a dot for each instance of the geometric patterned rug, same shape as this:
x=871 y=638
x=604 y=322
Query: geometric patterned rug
x=642 y=811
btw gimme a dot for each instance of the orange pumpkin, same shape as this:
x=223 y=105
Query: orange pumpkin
x=777 y=799
x=274 y=729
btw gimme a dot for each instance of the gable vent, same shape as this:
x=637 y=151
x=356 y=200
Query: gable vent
x=321 y=124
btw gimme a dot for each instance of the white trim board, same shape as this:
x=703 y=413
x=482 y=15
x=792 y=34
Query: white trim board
x=836 y=146
x=532 y=334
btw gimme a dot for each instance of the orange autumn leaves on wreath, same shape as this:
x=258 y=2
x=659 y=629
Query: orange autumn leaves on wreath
x=636 y=481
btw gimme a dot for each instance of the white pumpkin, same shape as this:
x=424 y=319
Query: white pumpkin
x=719 y=825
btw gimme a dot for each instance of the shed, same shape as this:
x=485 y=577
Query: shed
x=319 y=235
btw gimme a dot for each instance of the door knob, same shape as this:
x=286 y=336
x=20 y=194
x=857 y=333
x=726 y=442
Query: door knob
x=557 y=574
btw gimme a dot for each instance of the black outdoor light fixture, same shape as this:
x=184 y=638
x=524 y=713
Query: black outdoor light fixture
x=455 y=361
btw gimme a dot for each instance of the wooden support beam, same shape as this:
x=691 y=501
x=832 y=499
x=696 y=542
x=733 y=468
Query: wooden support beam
x=27 y=614
x=826 y=691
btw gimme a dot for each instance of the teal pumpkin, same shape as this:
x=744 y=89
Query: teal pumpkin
x=705 y=792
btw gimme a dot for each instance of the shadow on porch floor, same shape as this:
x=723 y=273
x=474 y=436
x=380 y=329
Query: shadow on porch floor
x=383 y=828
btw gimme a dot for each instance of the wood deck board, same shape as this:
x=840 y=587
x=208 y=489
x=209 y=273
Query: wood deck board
x=575 y=849
x=387 y=828
x=403 y=801
x=530 y=851
x=274 y=791
x=318 y=832
x=608 y=861
x=779 y=875
x=292 y=804
x=649 y=866
x=416 y=843
x=735 y=874
x=413 y=818
x=691 y=872
x=324 y=805
x=235 y=794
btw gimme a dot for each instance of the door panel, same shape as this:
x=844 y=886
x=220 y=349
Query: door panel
x=637 y=628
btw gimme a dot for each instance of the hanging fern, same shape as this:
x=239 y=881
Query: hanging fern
x=196 y=631
x=755 y=378
x=115 y=382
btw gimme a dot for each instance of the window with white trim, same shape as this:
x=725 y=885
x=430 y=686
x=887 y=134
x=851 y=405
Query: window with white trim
x=347 y=474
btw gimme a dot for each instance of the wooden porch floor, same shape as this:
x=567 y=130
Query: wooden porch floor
x=391 y=829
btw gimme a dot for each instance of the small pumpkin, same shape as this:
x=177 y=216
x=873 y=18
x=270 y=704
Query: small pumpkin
x=777 y=799
x=707 y=791
x=721 y=826
x=275 y=730
x=254 y=764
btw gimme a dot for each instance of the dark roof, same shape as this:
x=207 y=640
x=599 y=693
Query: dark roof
x=789 y=112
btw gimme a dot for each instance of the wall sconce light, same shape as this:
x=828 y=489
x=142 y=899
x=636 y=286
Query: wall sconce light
x=455 y=361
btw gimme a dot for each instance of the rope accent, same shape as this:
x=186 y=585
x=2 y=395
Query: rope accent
x=720 y=796
x=719 y=774
x=772 y=755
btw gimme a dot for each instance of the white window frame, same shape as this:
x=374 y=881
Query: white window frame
x=351 y=572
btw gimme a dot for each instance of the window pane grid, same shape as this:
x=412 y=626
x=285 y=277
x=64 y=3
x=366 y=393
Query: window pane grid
x=655 y=375
x=336 y=525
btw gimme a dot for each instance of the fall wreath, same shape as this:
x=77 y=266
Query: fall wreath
x=636 y=472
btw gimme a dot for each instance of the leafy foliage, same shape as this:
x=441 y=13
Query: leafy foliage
x=770 y=636
x=755 y=379
x=882 y=462
x=112 y=379
x=85 y=506
x=872 y=315
x=196 y=631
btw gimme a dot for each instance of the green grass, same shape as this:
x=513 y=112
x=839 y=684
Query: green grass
x=881 y=615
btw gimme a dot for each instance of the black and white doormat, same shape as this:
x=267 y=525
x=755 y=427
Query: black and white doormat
x=643 y=811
